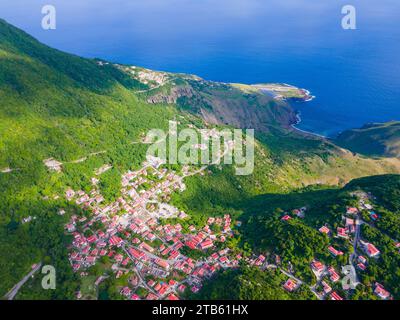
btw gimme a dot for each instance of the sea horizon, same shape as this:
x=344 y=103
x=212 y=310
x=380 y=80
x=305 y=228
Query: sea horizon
x=352 y=73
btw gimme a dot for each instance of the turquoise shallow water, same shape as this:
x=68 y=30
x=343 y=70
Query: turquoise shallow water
x=354 y=74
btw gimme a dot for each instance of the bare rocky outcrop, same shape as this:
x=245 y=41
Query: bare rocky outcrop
x=225 y=104
x=173 y=96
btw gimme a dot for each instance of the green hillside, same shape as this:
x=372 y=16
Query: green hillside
x=58 y=105
x=377 y=139
x=88 y=113
x=298 y=241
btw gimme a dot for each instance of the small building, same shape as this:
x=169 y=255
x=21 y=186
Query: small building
x=361 y=266
x=290 y=285
x=362 y=259
x=318 y=268
x=335 y=296
x=352 y=210
x=335 y=252
x=327 y=288
x=334 y=276
x=381 y=292
x=370 y=249
x=342 y=233
x=325 y=230
x=206 y=244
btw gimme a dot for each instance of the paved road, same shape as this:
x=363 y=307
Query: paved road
x=141 y=280
x=353 y=256
x=312 y=288
x=13 y=292
x=356 y=238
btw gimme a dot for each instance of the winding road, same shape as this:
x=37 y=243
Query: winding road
x=13 y=292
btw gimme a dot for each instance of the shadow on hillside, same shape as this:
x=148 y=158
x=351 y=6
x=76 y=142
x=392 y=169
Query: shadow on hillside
x=269 y=202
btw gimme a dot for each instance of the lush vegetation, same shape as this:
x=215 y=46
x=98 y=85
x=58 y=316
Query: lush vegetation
x=86 y=114
x=378 y=139
x=298 y=241
x=57 y=105
x=249 y=283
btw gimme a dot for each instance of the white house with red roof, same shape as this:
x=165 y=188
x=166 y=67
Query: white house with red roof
x=362 y=259
x=327 y=288
x=325 y=230
x=370 y=249
x=335 y=296
x=342 y=233
x=381 y=292
x=361 y=266
x=206 y=244
x=318 y=268
x=334 y=276
x=290 y=285
x=335 y=252
x=70 y=227
x=352 y=210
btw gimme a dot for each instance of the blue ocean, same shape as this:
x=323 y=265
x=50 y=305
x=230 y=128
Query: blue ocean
x=354 y=74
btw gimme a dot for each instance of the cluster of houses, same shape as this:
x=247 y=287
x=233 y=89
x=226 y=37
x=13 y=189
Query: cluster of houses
x=206 y=237
x=128 y=235
x=146 y=76
x=327 y=276
x=348 y=231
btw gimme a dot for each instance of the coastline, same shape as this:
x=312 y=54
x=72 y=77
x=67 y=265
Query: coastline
x=285 y=92
x=308 y=94
x=304 y=95
x=298 y=118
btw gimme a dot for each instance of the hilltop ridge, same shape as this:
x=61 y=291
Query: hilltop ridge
x=375 y=139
